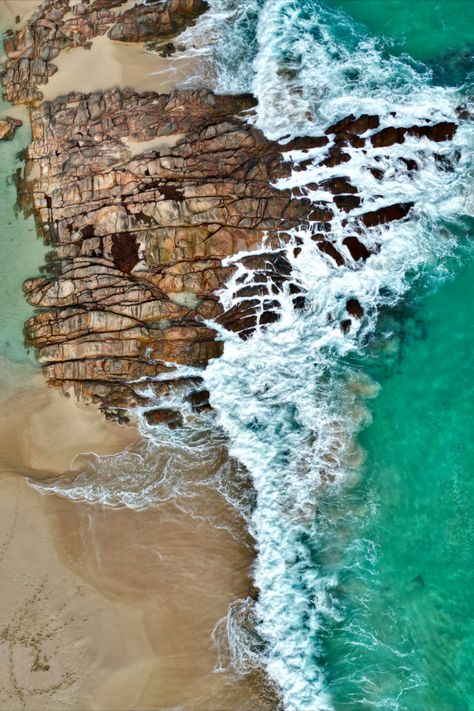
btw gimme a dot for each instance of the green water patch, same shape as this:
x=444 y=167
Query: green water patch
x=22 y=252
x=437 y=32
x=403 y=545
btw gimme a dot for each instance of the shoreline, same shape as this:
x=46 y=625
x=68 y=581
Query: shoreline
x=110 y=64
x=106 y=607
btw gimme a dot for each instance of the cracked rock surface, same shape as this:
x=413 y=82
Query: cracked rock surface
x=139 y=240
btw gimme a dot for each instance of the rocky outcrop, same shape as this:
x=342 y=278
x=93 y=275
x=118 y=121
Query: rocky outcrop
x=156 y=21
x=59 y=25
x=8 y=127
x=139 y=240
x=143 y=197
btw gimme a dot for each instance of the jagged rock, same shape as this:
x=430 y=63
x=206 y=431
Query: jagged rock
x=443 y=131
x=172 y=418
x=357 y=248
x=386 y=214
x=328 y=248
x=354 y=308
x=8 y=127
x=346 y=203
x=156 y=21
x=388 y=136
x=352 y=125
x=338 y=185
x=138 y=240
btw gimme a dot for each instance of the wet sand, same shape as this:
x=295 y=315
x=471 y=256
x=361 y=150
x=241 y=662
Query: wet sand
x=105 y=608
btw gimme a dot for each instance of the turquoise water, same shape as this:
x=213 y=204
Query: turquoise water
x=364 y=566
x=439 y=33
x=22 y=252
x=424 y=29
x=405 y=637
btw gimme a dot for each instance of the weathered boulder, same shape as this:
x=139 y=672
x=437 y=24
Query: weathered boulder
x=8 y=127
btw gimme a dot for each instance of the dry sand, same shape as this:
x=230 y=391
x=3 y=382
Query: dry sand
x=10 y=9
x=108 y=64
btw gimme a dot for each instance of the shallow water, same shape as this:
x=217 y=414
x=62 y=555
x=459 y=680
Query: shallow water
x=403 y=551
x=22 y=251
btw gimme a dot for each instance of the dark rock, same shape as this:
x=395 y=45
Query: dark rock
x=357 y=248
x=410 y=163
x=336 y=157
x=200 y=400
x=347 y=202
x=337 y=185
x=388 y=136
x=443 y=131
x=386 y=214
x=329 y=249
x=354 y=308
x=321 y=214
x=164 y=416
x=124 y=251
x=298 y=144
x=354 y=125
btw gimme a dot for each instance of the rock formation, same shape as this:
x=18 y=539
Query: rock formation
x=63 y=24
x=8 y=127
x=142 y=197
x=139 y=240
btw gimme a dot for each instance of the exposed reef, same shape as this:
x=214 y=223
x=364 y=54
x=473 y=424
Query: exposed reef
x=139 y=240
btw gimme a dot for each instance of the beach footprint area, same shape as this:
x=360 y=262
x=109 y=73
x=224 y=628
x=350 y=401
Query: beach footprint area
x=235 y=383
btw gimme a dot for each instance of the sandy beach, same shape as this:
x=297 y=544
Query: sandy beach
x=108 y=63
x=104 y=608
x=11 y=9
